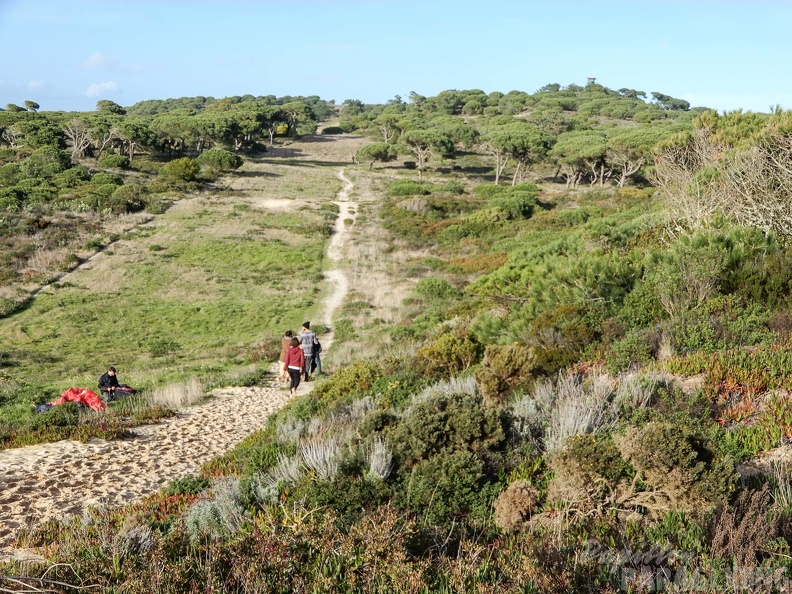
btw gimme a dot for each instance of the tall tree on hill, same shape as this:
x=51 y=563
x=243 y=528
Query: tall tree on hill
x=519 y=141
x=78 y=133
x=136 y=132
x=423 y=143
x=579 y=154
x=32 y=106
x=295 y=112
x=628 y=149
x=110 y=107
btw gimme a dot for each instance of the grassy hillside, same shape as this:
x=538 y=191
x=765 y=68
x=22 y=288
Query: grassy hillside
x=562 y=382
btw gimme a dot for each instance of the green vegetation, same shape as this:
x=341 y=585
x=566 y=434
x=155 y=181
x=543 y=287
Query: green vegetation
x=589 y=334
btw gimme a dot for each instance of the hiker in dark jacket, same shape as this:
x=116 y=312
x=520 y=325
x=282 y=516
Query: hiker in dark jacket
x=308 y=341
x=108 y=382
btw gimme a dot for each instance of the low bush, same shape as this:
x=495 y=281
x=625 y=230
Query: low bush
x=180 y=170
x=450 y=354
x=435 y=288
x=103 y=178
x=407 y=187
x=113 y=160
x=129 y=198
x=219 y=160
x=515 y=506
x=448 y=485
x=442 y=422
x=348 y=383
x=505 y=369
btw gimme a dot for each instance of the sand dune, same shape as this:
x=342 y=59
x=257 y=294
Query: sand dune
x=55 y=480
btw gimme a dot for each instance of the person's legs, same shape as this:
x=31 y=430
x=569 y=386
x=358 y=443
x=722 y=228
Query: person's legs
x=294 y=374
x=283 y=374
x=308 y=364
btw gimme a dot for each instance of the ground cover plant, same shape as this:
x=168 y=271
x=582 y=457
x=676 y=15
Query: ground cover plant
x=563 y=388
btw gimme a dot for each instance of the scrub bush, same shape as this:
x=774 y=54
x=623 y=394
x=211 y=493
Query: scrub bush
x=449 y=484
x=505 y=368
x=446 y=422
x=113 y=160
x=180 y=170
x=106 y=178
x=434 y=288
x=450 y=354
x=220 y=160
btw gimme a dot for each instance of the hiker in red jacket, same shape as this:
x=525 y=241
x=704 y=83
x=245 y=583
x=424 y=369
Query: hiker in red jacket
x=295 y=361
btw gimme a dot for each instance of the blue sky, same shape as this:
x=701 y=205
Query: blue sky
x=68 y=54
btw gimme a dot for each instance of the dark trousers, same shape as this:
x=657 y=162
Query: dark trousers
x=309 y=364
x=294 y=375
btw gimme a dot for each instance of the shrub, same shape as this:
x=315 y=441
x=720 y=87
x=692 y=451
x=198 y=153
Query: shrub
x=517 y=202
x=447 y=485
x=679 y=466
x=63 y=415
x=449 y=187
x=128 y=198
x=453 y=421
x=574 y=405
x=333 y=130
x=11 y=199
x=637 y=347
x=451 y=353
x=189 y=485
x=180 y=170
x=219 y=517
x=45 y=162
x=106 y=178
x=434 y=288
x=585 y=471
x=515 y=506
x=113 y=160
x=408 y=187
x=220 y=160
x=505 y=369
x=348 y=383
x=72 y=177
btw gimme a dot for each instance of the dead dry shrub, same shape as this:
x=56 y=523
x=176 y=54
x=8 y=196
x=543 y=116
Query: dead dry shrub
x=505 y=368
x=515 y=506
x=741 y=532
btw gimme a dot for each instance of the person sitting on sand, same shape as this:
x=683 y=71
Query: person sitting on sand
x=295 y=362
x=108 y=382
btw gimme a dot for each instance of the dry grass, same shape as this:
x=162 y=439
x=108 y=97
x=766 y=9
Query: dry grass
x=47 y=260
x=178 y=396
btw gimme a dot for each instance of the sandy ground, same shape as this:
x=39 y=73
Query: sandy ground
x=56 y=480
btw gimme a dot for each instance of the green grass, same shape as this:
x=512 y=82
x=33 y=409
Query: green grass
x=188 y=297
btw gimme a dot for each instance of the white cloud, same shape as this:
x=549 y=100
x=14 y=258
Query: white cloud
x=35 y=85
x=103 y=88
x=98 y=60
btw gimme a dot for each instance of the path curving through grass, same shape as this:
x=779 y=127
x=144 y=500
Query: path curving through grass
x=52 y=481
x=336 y=275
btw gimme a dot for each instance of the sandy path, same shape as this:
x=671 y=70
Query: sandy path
x=49 y=481
x=335 y=251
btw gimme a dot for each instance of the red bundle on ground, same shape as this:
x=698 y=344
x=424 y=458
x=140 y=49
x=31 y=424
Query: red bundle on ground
x=82 y=395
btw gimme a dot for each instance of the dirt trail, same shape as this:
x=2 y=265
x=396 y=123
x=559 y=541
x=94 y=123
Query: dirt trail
x=335 y=252
x=49 y=481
